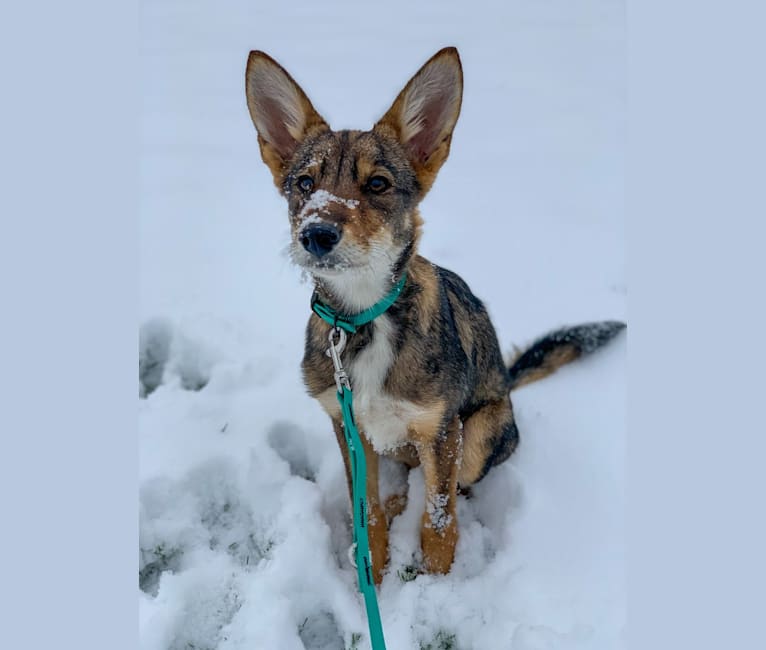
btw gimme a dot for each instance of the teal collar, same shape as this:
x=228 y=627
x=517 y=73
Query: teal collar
x=351 y=322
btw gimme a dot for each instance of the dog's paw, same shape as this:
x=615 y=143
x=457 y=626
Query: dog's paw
x=438 y=544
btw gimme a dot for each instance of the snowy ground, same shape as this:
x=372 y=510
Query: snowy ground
x=243 y=513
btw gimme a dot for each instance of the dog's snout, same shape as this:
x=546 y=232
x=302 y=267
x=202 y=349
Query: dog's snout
x=320 y=239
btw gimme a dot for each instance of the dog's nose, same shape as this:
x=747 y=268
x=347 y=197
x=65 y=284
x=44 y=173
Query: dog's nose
x=320 y=239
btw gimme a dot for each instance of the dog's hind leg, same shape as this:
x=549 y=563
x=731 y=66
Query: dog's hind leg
x=489 y=437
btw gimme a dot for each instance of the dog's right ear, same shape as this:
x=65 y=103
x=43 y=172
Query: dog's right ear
x=280 y=110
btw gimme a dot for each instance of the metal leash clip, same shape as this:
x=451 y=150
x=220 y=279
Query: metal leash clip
x=334 y=352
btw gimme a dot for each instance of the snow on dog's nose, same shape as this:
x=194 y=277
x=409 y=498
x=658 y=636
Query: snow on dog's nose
x=320 y=228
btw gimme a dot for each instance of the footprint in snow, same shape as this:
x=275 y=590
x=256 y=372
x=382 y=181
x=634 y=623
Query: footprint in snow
x=320 y=632
x=164 y=353
x=207 y=600
x=289 y=441
x=207 y=508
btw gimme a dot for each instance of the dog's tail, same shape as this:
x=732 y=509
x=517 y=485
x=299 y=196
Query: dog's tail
x=548 y=353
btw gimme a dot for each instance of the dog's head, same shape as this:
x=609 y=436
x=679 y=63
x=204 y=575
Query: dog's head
x=353 y=195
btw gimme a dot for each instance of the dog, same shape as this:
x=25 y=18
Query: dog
x=429 y=381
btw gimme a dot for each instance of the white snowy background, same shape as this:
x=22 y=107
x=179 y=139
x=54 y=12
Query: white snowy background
x=244 y=519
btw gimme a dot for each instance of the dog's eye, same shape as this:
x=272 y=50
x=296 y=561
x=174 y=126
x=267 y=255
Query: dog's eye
x=305 y=183
x=378 y=184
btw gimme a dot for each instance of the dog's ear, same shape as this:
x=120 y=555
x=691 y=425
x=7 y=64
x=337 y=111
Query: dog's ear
x=425 y=112
x=280 y=110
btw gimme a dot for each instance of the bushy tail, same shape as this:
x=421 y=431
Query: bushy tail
x=559 y=347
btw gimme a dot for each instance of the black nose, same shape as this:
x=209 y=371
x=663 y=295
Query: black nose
x=320 y=239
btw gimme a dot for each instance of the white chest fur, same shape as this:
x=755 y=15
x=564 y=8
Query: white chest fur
x=383 y=419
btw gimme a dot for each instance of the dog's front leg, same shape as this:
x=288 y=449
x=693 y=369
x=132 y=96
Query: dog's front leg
x=377 y=525
x=440 y=456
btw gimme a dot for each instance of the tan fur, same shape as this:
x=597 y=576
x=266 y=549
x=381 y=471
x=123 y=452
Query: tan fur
x=557 y=358
x=426 y=428
x=440 y=452
x=464 y=326
x=438 y=546
x=477 y=438
x=406 y=454
x=425 y=276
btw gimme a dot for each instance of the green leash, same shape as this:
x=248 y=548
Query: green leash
x=361 y=538
x=340 y=325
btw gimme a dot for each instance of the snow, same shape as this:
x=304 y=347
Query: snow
x=322 y=198
x=315 y=206
x=244 y=517
x=436 y=508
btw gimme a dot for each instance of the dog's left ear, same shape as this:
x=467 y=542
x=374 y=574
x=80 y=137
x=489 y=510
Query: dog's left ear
x=425 y=112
